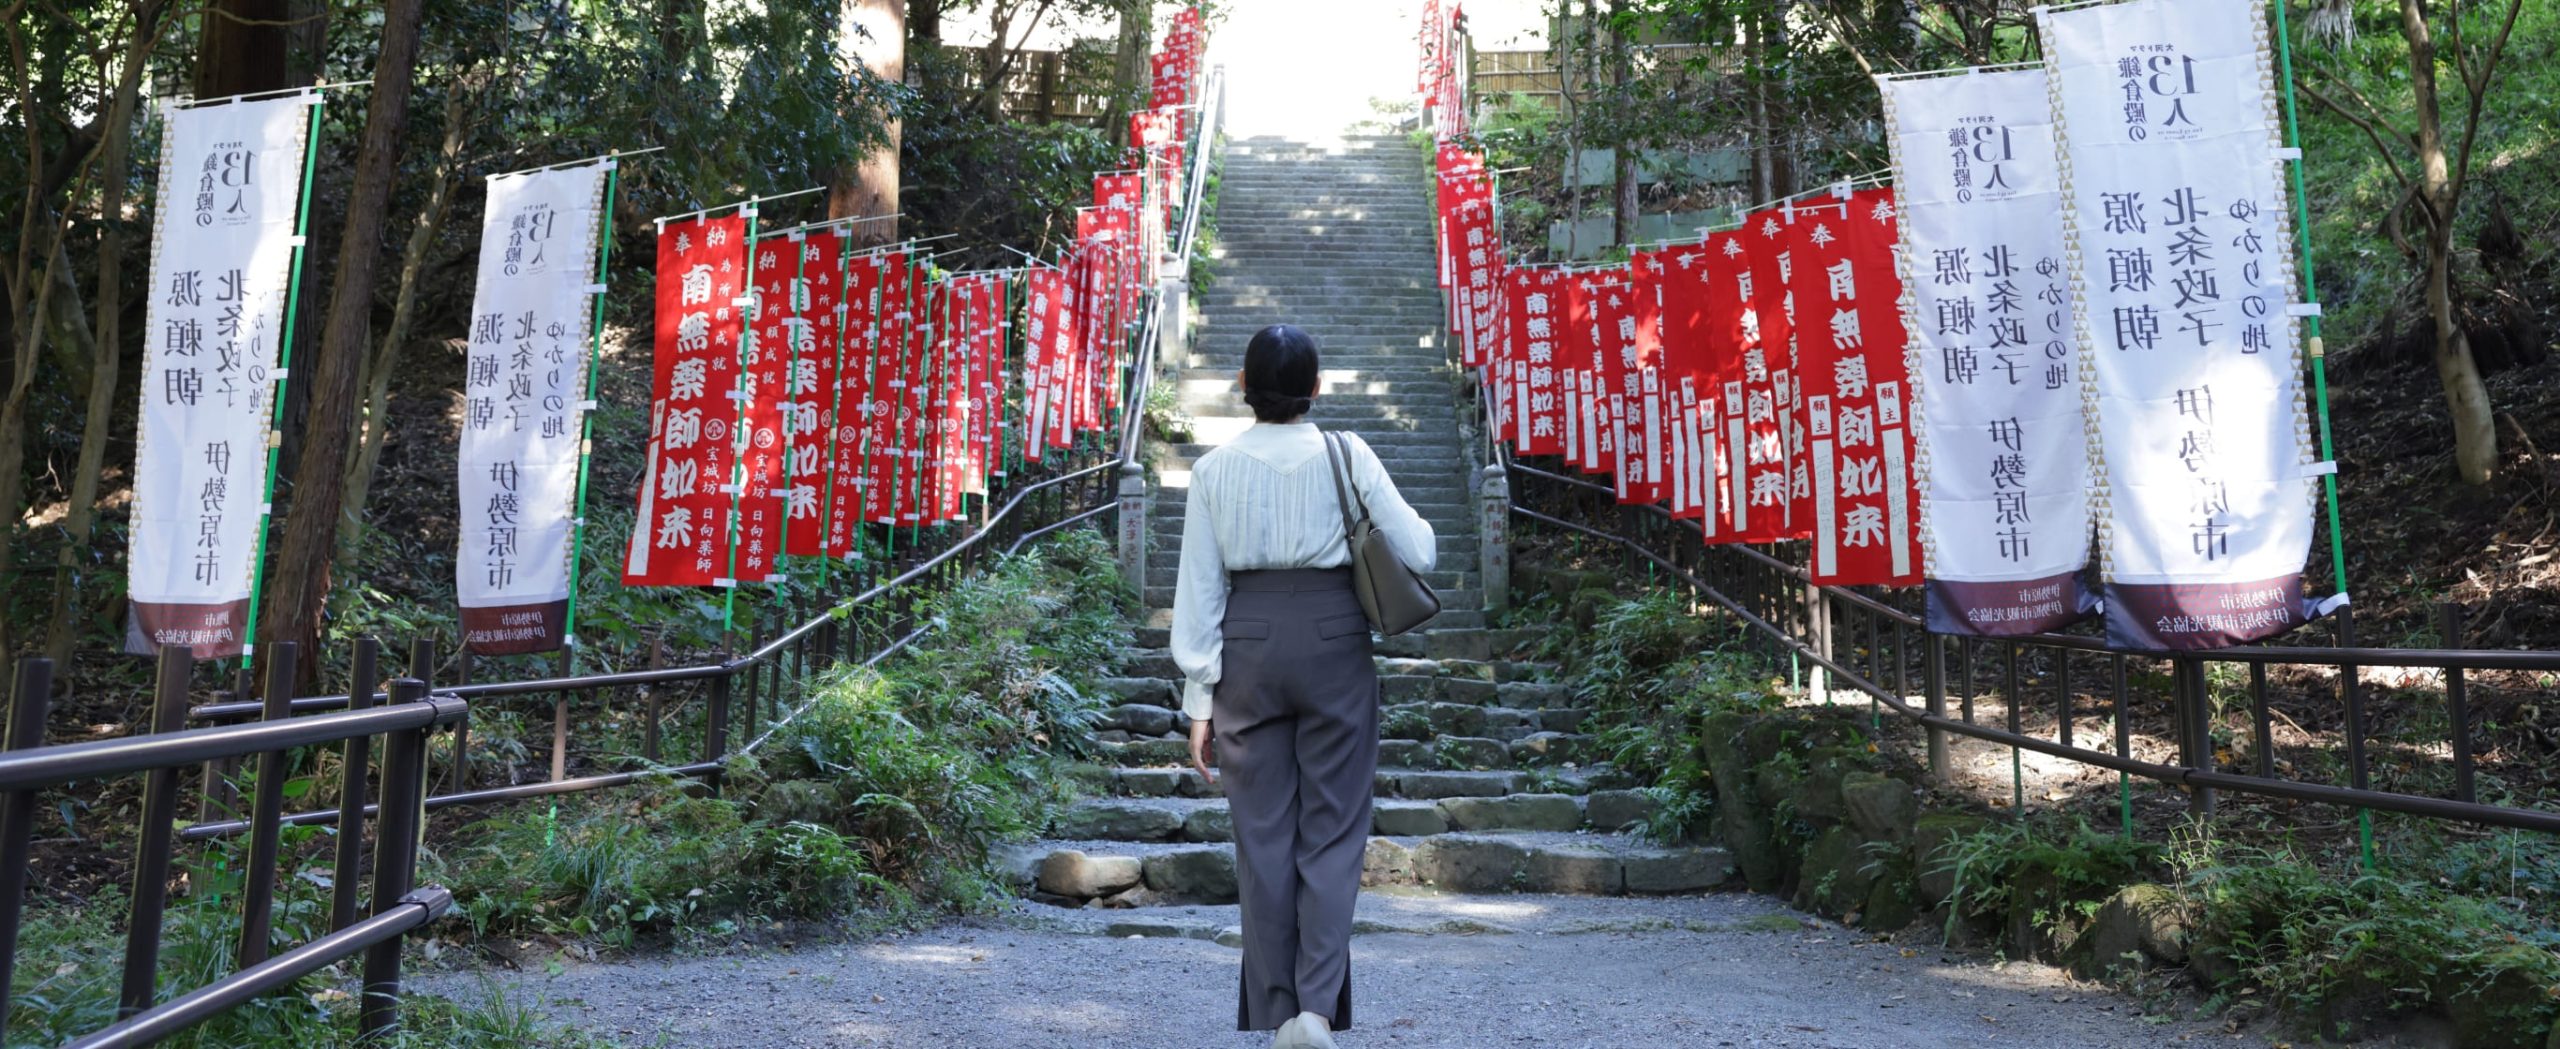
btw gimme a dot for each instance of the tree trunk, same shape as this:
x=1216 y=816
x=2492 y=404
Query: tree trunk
x=924 y=23
x=376 y=406
x=1129 y=68
x=80 y=518
x=299 y=592
x=1622 y=227
x=2466 y=398
x=870 y=188
x=248 y=46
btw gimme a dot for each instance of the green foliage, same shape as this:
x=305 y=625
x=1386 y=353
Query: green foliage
x=2341 y=948
x=992 y=181
x=887 y=788
x=1653 y=673
x=620 y=867
x=2059 y=875
x=70 y=969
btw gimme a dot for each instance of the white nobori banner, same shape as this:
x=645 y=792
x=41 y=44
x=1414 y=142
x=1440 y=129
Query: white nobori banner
x=221 y=260
x=524 y=381
x=2181 y=238
x=2001 y=447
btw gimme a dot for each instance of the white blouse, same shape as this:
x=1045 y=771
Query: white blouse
x=1266 y=500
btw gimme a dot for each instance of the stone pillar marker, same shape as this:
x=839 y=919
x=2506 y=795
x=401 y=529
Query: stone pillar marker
x=1133 y=526
x=1173 y=343
x=1493 y=536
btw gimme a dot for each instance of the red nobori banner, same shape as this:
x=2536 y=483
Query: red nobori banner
x=763 y=386
x=682 y=534
x=1047 y=340
x=1772 y=269
x=850 y=458
x=1694 y=365
x=1609 y=331
x=813 y=321
x=1643 y=454
x=1857 y=391
x=1535 y=317
x=884 y=386
x=1756 y=446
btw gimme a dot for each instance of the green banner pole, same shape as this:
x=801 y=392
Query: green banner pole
x=284 y=371
x=738 y=462
x=2318 y=352
x=587 y=418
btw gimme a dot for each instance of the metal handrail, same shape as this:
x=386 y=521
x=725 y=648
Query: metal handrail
x=1132 y=431
x=2196 y=772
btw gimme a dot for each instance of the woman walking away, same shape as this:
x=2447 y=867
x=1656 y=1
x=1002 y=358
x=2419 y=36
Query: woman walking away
x=1276 y=655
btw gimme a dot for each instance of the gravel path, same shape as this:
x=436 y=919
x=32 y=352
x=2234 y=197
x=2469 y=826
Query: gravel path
x=1726 y=970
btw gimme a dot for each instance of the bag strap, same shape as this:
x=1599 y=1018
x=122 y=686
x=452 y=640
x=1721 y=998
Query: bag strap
x=1341 y=491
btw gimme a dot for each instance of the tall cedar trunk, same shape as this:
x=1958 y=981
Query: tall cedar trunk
x=80 y=518
x=2475 y=434
x=871 y=187
x=1622 y=69
x=248 y=46
x=1566 y=46
x=299 y=592
x=376 y=407
x=1129 y=67
x=1764 y=181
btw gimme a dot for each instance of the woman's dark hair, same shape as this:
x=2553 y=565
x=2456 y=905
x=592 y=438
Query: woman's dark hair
x=1280 y=373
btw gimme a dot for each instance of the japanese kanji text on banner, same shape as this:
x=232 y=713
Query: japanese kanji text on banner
x=2180 y=235
x=525 y=375
x=682 y=534
x=230 y=177
x=2001 y=449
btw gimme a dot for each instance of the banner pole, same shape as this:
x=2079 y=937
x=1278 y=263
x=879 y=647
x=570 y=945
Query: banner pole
x=587 y=418
x=737 y=462
x=2317 y=351
x=284 y=371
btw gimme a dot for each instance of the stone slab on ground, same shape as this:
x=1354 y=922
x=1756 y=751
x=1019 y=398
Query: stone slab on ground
x=1727 y=970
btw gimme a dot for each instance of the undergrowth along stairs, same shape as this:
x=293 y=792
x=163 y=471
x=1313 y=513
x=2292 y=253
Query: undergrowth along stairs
x=1487 y=782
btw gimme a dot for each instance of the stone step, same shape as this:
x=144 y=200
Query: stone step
x=1424 y=719
x=1072 y=872
x=1206 y=820
x=1178 y=780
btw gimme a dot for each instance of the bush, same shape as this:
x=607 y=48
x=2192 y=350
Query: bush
x=1653 y=674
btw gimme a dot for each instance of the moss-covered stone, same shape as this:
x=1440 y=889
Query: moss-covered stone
x=1890 y=901
x=2141 y=926
x=2512 y=1009
x=1838 y=874
x=1586 y=604
x=1930 y=835
x=1881 y=807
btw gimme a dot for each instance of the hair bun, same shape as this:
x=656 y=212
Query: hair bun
x=1275 y=406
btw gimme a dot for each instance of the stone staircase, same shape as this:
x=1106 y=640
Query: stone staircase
x=1487 y=782
x=1336 y=240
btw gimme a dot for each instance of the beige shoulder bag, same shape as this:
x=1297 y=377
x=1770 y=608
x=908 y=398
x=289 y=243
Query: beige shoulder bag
x=1394 y=595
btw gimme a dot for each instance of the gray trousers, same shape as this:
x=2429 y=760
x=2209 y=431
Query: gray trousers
x=1296 y=717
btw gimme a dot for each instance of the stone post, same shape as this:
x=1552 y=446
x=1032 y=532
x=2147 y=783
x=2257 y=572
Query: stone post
x=1133 y=527
x=1173 y=330
x=1493 y=536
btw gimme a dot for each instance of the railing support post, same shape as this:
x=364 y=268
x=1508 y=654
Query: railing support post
x=151 y=848
x=28 y=706
x=266 y=815
x=395 y=859
x=351 y=789
x=1133 y=527
x=1493 y=536
x=1933 y=673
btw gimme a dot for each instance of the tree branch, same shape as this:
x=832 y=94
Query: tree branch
x=2372 y=133
x=2479 y=92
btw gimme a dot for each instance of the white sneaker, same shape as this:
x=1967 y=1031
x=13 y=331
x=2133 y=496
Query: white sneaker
x=1317 y=1032
x=1291 y=1035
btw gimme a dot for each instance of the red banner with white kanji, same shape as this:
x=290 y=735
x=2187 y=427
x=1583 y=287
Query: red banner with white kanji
x=681 y=536
x=1534 y=318
x=1695 y=361
x=1857 y=392
x=810 y=317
